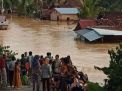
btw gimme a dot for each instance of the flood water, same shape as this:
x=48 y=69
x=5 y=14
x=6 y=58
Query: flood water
x=56 y=37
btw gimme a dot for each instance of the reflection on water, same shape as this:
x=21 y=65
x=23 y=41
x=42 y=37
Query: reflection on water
x=43 y=36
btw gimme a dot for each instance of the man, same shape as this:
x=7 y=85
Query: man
x=49 y=57
x=56 y=64
x=11 y=66
x=56 y=72
x=36 y=73
x=46 y=74
x=30 y=58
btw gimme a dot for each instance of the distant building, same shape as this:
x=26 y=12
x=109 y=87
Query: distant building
x=46 y=14
x=64 y=14
x=3 y=23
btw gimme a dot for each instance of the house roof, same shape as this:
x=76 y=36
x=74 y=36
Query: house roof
x=107 y=31
x=92 y=34
x=85 y=23
x=67 y=10
x=89 y=34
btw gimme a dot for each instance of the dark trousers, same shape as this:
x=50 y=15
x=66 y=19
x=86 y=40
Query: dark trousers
x=36 y=82
x=63 y=84
x=11 y=74
x=46 y=84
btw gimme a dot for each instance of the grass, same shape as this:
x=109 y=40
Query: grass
x=95 y=87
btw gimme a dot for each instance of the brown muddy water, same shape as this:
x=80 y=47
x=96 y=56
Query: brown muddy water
x=57 y=37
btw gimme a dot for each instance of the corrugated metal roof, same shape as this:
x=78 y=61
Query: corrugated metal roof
x=107 y=31
x=92 y=34
x=67 y=10
x=89 y=34
x=83 y=31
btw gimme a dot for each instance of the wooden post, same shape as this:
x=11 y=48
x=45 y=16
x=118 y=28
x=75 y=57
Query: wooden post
x=102 y=40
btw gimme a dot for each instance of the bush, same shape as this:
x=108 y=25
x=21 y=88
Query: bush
x=114 y=71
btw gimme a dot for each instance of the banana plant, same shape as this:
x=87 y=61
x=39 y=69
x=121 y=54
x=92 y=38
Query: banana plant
x=90 y=8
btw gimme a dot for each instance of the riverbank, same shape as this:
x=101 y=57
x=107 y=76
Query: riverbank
x=95 y=87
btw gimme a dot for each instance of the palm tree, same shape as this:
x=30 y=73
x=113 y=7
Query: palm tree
x=89 y=8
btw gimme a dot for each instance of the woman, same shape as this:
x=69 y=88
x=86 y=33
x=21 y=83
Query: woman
x=17 y=79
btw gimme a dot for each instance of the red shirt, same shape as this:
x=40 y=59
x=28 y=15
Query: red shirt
x=2 y=63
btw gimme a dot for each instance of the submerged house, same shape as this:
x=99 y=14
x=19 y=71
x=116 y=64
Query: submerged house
x=63 y=14
x=99 y=35
x=3 y=23
x=85 y=23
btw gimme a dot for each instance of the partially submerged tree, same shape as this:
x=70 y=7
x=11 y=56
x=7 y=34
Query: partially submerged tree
x=114 y=70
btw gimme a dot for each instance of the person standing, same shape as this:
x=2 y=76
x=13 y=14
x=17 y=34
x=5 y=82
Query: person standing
x=36 y=73
x=56 y=72
x=11 y=66
x=3 y=70
x=17 y=79
x=49 y=56
x=56 y=65
x=23 y=70
x=46 y=74
x=30 y=58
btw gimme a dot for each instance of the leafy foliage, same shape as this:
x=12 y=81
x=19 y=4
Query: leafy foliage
x=6 y=50
x=111 y=5
x=95 y=87
x=89 y=8
x=114 y=71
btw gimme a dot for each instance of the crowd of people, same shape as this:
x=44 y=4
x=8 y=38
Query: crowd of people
x=49 y=73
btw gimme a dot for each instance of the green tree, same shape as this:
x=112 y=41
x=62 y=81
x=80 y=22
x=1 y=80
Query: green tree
x=6 y=50
x=114 y=70
x=111 y=5
x=89 y=8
